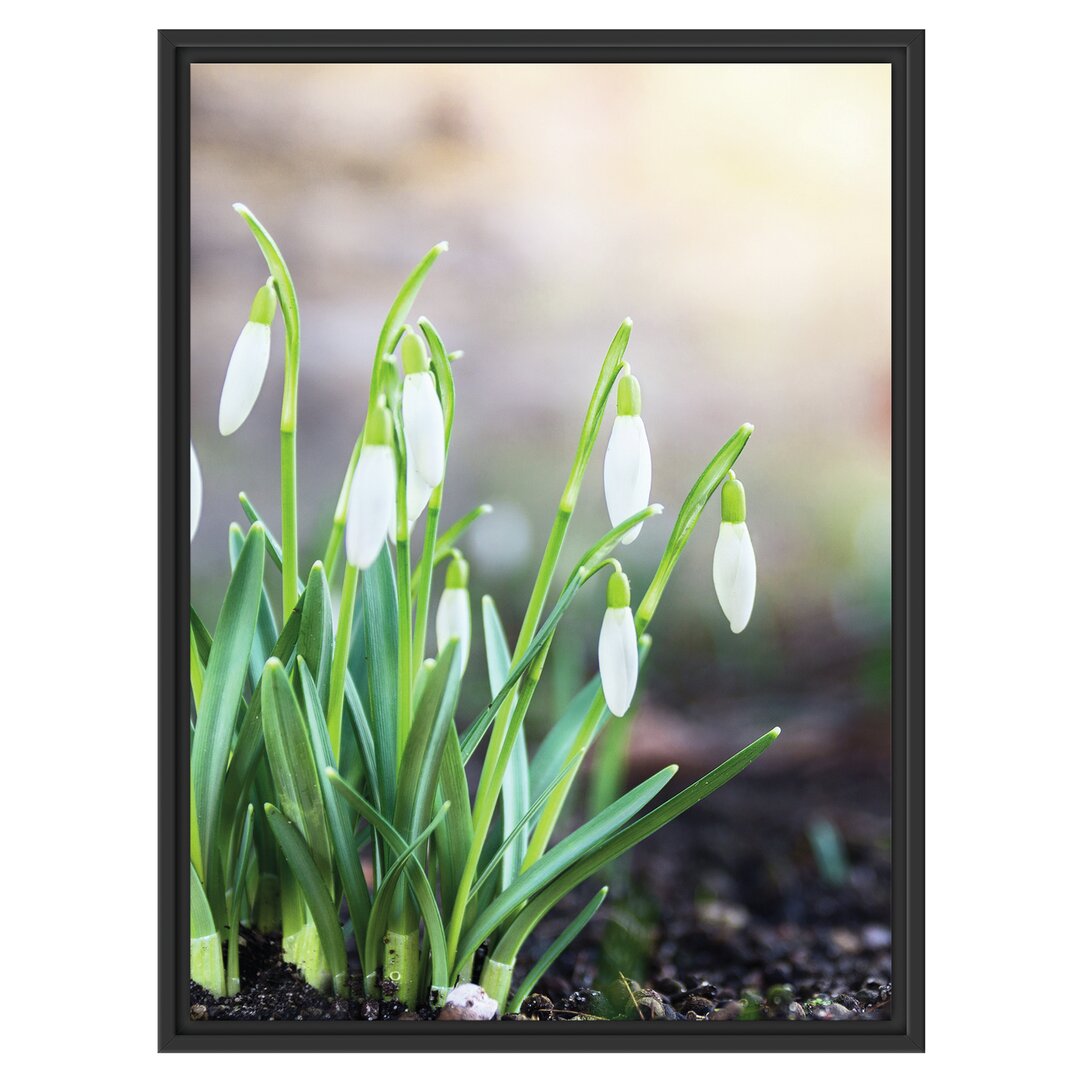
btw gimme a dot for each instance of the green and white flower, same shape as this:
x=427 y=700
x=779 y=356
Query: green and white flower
x=453 y=618
x=422 y=414
x=618 y=647
x=247 y=365
x=373 y=494
x=628 y=462
x=734 y=563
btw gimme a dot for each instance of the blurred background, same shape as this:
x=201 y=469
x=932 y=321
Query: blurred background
x=739 y=214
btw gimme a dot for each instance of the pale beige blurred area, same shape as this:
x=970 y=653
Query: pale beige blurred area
x=738 y=213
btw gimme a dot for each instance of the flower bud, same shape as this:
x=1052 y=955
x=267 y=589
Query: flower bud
x=618 y=647
x=373 y=492
x=453 y=618
x=196 y=492
x=248 y=363
x=734 y=563
x=628 y=462
x=421 y=412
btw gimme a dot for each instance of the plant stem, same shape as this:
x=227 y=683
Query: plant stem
x=423 y=587
x=405 y=668
x=340 y=667
x=402 y=963
x=289 y=555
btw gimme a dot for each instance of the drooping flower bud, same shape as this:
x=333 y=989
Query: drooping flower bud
x=373 y=493
x=196 y=492
x=628 y=462
x=248 y=363
x=618 y=647
x=453 y=618
x=421 y=412
x=734 y=563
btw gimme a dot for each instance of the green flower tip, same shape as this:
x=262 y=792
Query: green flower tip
x=732 y=500
x=629 y=395
x=618 y=590
x=457 y=575
x=775 y=731
x=414 y=357
x=441 y=246
x=263 y=306
x=379 y=429
x=748 y=429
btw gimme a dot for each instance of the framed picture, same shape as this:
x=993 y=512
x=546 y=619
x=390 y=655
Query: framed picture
x=541 y=585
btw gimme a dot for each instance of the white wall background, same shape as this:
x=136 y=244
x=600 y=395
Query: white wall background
x=78 y=443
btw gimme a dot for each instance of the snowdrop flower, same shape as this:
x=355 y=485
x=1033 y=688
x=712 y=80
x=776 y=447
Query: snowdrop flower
x=618 y=647
x=628 y=463
x=247 y=366
x=196 y=492
x=453 y=618
x=373 y=493
x=421 y=412
x=734 y=565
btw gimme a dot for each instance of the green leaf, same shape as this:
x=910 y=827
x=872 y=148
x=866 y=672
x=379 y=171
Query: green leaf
x=454 y=835
x=598 y=855
x=558 y=947
x=221 y=698
x=312 y=885
x=432 y=721
x=378 y=596
x=341 y=834
x=207 y=968
x=384 y=899
x=414 y=874
x=556 y=745
x=568 y=853
x=399 y=309
x=248 y=748
x=236 y=904
x=364 y=740
x=515 y=785
x=292 y=765
x=202 y=637
x=316 y=641
x=533 y=810
x=266 y=633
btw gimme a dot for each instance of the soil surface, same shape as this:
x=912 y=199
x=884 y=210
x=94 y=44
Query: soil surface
x=726 y=914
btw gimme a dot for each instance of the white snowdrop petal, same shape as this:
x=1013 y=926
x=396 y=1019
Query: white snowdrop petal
x=372 y=498
x=417 y=491
x=422 y=419
x=735 y=574
x=618 y=659
x=453 y=619
x=627 y=472
x=244 y=377
x=196 y=492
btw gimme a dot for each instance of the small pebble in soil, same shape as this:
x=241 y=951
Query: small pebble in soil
x=468 y=1002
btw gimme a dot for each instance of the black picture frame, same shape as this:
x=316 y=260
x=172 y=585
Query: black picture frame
x=904 y=51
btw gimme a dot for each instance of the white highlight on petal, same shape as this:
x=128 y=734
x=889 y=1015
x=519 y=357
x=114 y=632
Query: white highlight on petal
x=372 y=501
x=453 y=619
x=196 y=492
x=618 y=659
x=244 y=377
x=735 y=573
x=627 y=472
x=422 y=419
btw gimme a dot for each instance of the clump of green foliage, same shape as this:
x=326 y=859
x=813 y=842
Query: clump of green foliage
x=328 y=794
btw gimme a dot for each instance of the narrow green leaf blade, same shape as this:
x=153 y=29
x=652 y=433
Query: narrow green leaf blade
x=312 y=885
x=292 y=765
x=341 y=834
x=221 y=698
x=558 y=947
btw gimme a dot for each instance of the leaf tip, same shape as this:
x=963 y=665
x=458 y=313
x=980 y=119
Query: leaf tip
x=747 y=429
